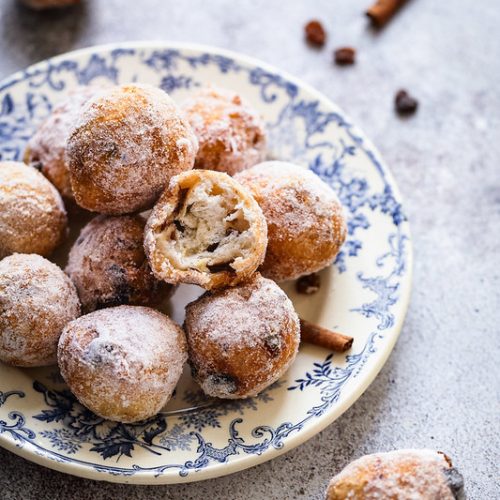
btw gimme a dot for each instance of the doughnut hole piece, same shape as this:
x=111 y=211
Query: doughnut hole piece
x=48 y=4
x=306 y=225
x=230 y=132
x=108 y=265
x=127 y=143
x=32 y=214
x=37 y=300
x=46 y=150
x=122 y=363
x=422 y=474
x=206 y=229
x=241 y=339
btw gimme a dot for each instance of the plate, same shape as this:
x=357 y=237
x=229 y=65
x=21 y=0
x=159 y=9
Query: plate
x=364 y=294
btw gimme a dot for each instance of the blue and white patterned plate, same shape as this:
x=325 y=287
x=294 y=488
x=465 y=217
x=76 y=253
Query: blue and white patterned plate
x=365 y=294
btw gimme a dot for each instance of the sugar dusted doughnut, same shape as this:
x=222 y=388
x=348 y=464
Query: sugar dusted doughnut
x=47 y=148
x=123 y=363
x=402 y=474
x=128 y=142
x=36 y=301
x=230 y=133
x=108 y=265
x=306 y=226
x=241 y=339
x=32 y=214
x=206 y=229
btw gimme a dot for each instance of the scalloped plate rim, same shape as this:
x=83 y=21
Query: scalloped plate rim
x=240 y=462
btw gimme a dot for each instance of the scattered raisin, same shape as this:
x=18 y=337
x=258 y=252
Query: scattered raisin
x=309 y=284
x=315 y=33
x=344 y=56
x=405 y=104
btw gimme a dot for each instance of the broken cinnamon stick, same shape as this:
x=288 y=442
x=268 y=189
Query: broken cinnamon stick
x=382 y=10
x=317 y=335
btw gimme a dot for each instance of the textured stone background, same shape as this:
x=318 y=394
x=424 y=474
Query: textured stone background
x=440 y=387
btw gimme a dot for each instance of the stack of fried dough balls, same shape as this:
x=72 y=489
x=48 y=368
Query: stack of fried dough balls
x=118 y=151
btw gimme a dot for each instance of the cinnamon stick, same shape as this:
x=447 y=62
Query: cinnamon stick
x=317 y=335
x=382 y=10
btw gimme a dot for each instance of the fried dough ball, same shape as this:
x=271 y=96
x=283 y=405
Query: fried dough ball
x=108 y=265
x=32 y=214
x=49 y=4
x=230 y=133
x=122 y=363
x=402 y=474
x=241 y=339
x=128 y=142
x=305 y=220
x=47 y=148
x=37 y=300
x=206 y=229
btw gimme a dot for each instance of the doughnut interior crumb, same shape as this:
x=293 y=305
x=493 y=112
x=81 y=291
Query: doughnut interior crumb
x=209 y=230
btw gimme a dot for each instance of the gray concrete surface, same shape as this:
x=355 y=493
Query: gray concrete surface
x=440 y=387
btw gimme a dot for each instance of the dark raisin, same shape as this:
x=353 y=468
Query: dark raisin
x=309 y=284
x=455 y=482
x=344 y=56
x=222 y=267
x=273 y=344
x=315 y=33
x=213 y=246
x=229 y=383
x=405 y=104
x=179 y=226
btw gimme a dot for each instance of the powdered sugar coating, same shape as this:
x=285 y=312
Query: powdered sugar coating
x=241 y=339
x=230 y=132
x=401 y=475
x=108 y=265
x=206 y=229
x=306 y=224
x=32 y=214
x=126 y=145
x=36 y=301
x=47 y=148
x=123 y=363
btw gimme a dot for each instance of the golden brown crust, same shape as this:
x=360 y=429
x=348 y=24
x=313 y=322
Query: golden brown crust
x=36 y=301
x=305 y=221
x=124 y=362
x=108 y=265
x=207 y=198
x=397 y=475
x=230 y=133
x=128 y=142
x=32 y=214
x=241 y=339
x=47 y=148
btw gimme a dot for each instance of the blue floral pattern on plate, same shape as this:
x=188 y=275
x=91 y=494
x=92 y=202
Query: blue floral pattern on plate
x=202 y=438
